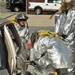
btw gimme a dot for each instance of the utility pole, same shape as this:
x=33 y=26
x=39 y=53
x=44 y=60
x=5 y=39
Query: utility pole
x=0 y=9
x=26 y=6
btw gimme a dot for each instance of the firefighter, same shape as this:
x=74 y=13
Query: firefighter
x=44 y=42
x=62 y=16
x=22 y=26
x=65 y=26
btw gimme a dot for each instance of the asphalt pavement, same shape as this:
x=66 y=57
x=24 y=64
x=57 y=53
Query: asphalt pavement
x=34 y=20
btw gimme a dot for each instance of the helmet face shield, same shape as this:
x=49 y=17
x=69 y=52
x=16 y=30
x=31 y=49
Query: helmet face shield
x=21 y=17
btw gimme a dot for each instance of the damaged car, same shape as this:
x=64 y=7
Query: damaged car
x=13 y=54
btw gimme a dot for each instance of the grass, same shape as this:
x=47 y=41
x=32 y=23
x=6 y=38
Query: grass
x=2 y=3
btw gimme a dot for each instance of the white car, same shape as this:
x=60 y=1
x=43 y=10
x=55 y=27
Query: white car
x=44 y=5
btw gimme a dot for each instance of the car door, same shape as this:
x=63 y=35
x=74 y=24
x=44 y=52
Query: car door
x=52 y=5
x=13 y=45
x=11 y=50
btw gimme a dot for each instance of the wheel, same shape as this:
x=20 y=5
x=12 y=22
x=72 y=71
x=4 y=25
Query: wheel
x=38 y=11
x=16 y=9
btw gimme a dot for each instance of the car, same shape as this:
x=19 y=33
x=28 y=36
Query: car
x=16 y=5
x=11 y=50
x=40 y=6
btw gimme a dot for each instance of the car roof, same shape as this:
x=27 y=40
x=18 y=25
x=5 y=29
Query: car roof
x=4 y=21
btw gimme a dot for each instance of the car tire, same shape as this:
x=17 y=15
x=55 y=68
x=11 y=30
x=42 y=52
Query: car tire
x=38 y=11
x=16 y=9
